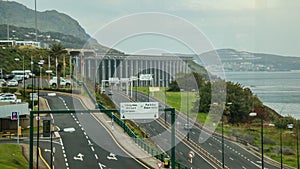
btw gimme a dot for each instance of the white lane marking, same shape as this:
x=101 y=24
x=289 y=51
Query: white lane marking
x=101 y=165
x=92 y=148
x=96 y=156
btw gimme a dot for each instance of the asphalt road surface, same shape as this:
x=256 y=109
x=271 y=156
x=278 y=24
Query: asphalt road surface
x=234 y=155
x=161 y=136
x=90 y=145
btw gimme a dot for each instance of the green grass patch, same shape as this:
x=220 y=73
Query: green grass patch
x=11 y=157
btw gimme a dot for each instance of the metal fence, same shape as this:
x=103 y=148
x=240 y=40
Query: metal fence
x=155 y=152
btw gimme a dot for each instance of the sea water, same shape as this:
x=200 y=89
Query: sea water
x=278 y=90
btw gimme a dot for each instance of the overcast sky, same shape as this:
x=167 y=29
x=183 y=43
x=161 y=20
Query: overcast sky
x=268 y=26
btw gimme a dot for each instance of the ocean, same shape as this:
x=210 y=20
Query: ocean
x=278 y=90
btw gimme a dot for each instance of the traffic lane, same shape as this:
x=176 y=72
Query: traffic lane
x=58 y=160
x=104 y=142
x=100 y=142
x=75 y=144
x=162 y=138
x=234 y=155
x=155 y=129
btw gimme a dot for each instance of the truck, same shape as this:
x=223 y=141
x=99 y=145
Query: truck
x=63 y=82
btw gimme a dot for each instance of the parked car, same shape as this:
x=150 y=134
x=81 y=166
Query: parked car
x=8 y=97
x=19 y=79
x=12 y=83
x=3 y=82
x=9 y=76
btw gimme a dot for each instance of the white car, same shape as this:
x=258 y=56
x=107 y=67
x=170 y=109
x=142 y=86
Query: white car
x=63 y=82
x=13 y=82
x=8 y=97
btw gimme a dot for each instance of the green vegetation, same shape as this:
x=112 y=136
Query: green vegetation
x=238 y=125
x=11 y=157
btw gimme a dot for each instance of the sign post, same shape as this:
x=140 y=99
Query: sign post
x=15 y=116
x=139 y=110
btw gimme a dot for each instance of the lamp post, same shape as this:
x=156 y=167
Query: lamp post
x=281 y=166
x=23 y=77
x=297 y=142
x=254 y=114
x=223 y=150
x=38 y=120
x=165 y=99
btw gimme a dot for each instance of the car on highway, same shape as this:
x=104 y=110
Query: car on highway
x=8 y=97
x=188 y=126
x=63 y=82
x=12 y=83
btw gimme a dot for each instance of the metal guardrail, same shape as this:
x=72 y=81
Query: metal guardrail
x=154 y=152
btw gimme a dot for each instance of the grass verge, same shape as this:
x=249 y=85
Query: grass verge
x=11 y=157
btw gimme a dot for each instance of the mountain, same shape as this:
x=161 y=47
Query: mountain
x=48 y=21
x=53 y=27
x=234 y=60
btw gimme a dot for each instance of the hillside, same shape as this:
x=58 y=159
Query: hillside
x=234 y=60
x=48 y=21
x=53 y=27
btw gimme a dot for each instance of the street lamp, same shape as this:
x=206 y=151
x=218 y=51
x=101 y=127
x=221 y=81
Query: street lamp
x=223 y=150
x=254 y=114
x=38 y=121
x=23 y=77
x=297 y=142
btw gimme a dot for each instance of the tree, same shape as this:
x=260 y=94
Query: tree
x=173 y=87
x=58 y=51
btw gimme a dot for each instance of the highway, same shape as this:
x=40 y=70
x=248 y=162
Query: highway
x=161 y=136
x=234 y=155
x=89 y=146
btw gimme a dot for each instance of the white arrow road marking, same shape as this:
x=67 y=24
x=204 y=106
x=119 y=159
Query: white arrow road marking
x=79 y=157
x=112 y=157
x=101 y=165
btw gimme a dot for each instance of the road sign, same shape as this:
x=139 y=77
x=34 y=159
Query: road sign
x=14 y=115
x=145 y=77
x=139 y=110
x=113 y=80
x=33 y=96
x=134 y=78
x=124 y=80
